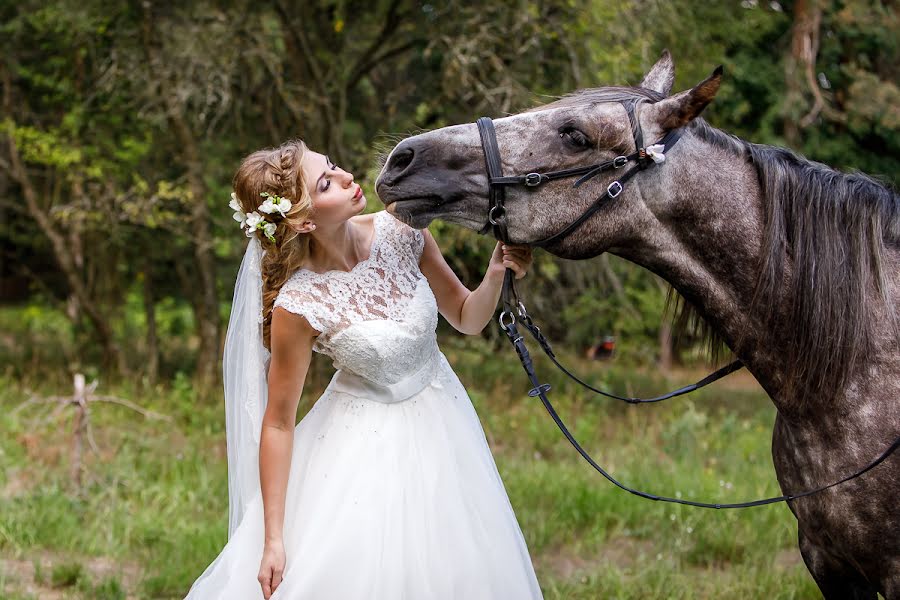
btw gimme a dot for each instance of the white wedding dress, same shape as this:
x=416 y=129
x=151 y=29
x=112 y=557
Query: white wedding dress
x=393 y=493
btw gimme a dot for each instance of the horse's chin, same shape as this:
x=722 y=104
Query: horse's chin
x=418 y=213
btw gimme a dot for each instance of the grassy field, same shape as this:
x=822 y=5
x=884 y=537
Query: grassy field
x=153 y=510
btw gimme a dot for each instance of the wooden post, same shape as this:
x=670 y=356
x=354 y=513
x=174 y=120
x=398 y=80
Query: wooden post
x=80 y=401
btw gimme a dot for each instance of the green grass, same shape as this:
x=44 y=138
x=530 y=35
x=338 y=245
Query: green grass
x=155 y=499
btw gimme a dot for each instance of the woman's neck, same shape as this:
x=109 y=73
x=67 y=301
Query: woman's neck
x=341 y=248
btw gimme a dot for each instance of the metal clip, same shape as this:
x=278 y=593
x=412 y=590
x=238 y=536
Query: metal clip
x=491 y=213
x=615 y=185
x=533 y=179
x=620 y=161
x=541 y=389
x=521 y=308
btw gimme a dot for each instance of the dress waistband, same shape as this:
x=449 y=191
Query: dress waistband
x=351 y=383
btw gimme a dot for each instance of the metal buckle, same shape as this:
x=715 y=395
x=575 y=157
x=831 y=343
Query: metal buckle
x=533 y=179
x=615 y=185
x=521 y=309
x=537 y=391
x=620 y=161
x=500 y=319
x=491 y=213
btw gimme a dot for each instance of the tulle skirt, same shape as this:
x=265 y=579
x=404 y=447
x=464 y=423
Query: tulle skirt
x=386 y=500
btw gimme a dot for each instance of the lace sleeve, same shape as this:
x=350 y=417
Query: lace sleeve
x=304 y=302
x=418 y=244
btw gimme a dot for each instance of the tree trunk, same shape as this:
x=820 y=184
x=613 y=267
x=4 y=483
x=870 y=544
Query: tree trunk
x=112 y=354
x=799 y=71
x=207 y=314
x=152 y=369
x=665 y=346
x=206 y=311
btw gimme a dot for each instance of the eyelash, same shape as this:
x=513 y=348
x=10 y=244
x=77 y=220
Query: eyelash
x=576 y=137
x=328 y=181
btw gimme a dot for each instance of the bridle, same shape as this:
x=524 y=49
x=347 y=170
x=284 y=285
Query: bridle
x=514 y=310
x=497 y=182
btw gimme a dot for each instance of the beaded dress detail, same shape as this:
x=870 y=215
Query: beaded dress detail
x=393 y=492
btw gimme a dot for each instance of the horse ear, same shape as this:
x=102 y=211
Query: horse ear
x=661 y=76
x=682 y=108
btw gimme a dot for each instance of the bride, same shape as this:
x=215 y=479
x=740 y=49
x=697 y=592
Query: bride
x=386 y=489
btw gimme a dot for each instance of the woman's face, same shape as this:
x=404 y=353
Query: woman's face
x=335 y=196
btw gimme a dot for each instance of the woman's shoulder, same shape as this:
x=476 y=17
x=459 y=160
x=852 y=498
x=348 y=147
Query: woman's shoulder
x=398 y=225
x=367 y=218
x=408 y=235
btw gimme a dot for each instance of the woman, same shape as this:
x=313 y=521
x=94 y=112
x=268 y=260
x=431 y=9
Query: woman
x=386 y=488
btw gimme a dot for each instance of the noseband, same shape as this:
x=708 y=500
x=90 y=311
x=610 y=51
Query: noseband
x=514 y=310
x=497 y=182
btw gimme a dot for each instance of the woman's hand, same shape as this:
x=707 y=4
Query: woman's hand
x=271 y=568
x=515 y=256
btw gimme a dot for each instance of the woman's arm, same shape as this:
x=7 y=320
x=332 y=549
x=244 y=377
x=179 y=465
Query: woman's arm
x=291 y=341
x=469 y=311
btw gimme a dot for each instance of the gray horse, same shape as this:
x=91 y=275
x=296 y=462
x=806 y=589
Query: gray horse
x=792 y=263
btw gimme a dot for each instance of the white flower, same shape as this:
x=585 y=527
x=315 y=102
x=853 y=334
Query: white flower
x=656 y=153
x=283 y=205
x=268 y=207
x=253 y=220
x=275 y=204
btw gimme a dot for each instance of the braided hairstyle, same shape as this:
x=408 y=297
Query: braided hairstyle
x=276 y=171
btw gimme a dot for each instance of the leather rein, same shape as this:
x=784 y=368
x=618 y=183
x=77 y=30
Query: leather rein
x=514 y=310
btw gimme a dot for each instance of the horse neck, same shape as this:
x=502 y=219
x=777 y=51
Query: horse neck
x=705 y=240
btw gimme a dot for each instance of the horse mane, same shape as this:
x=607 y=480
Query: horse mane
x=834 y=227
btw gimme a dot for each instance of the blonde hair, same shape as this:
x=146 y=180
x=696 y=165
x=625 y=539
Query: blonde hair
x=276 y=171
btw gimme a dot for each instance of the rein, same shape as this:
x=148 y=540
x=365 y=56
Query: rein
x=643 y=157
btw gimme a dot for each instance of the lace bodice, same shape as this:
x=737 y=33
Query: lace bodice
x=377 y=320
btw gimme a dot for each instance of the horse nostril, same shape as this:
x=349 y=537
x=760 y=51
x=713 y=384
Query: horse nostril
x=401 y=159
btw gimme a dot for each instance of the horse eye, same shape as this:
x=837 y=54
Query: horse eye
x=574 y=138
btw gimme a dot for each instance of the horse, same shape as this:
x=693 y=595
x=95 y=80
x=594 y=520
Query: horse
x=792 y=264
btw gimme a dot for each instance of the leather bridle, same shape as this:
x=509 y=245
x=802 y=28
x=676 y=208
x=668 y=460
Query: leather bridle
x=497 y=182
x=513 y=306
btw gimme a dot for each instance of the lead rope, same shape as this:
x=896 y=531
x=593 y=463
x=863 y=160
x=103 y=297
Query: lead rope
x=540 y=390
x=527 y=323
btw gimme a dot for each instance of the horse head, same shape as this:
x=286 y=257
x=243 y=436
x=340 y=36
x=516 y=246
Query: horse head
x=441 y=174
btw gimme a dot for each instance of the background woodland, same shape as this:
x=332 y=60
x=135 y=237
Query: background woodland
x=123 y=122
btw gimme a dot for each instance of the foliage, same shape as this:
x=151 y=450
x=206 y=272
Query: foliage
x=127 y=116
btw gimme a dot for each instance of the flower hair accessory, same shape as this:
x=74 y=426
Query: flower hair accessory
x=253 y=220
x=274 y=204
